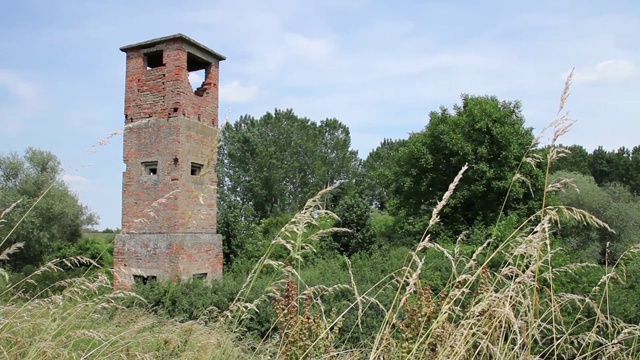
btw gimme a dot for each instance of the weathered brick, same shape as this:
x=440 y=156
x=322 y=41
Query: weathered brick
x=169 y=129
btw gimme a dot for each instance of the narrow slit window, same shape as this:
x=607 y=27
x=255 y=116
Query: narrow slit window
x=150 y=168
x=144 y=280
x=196 y=169
x=153 y=59
x=200 y=276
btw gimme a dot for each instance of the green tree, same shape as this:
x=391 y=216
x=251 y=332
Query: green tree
x=601 y=165
x=483 y=132
x=613 y=204
x=378 y=173
x=272 y=165
x=236 y=224
x=634 y=178
x=353 y=209
x=58 y=217
x=337 y=161
x=576 y=160
x=277 y=162
x=609 y=167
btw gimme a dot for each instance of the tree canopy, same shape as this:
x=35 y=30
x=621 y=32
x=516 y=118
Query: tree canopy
x=275 y=163
x=57 y=218
x=487 y=134
x=272 y=165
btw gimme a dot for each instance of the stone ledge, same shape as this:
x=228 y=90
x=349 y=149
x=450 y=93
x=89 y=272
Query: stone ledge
x=153 y=42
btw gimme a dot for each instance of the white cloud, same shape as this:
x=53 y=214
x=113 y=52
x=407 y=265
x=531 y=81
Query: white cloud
x=23 y=103
x=195 y=79
x=230 y=92
x=236 y=92
x=74 y=179
x=307 y=47
x=17 y=85
x=609 y=71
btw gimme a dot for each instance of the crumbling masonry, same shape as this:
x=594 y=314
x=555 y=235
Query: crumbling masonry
x=169 y=186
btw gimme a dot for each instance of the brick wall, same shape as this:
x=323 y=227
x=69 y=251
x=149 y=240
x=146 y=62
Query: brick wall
x=172 y=200
x=165 y=91
x=173 y=257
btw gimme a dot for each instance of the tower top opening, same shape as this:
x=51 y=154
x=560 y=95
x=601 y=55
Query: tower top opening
x=200 y=55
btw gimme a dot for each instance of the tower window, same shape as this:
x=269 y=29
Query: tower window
x=144 y=280
x=201 y=276
x=153 y=59
x=196 y=169
x=149 y=168
x=196 y=79
x=198 y=72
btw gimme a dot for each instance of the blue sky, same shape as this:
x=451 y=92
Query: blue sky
x=378 y=66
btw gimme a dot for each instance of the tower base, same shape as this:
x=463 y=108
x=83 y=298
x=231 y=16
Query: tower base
x=175 y=257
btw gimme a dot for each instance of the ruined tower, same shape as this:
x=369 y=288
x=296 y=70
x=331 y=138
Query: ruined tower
x=169 y=185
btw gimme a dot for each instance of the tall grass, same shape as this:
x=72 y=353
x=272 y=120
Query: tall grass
x=501 y=300
x=88 y=320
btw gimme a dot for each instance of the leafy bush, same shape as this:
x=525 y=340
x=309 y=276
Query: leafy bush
x=614 y=205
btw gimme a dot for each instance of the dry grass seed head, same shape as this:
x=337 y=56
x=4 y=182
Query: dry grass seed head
x=8 y=210
x=566 y=90
x=11 y=250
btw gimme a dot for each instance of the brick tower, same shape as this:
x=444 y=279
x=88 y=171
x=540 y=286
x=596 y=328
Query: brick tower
x=169 y=186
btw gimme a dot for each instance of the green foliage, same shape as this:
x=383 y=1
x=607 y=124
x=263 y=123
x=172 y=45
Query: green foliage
x=236 y=224
x=190 y=300
x=382 y=226
x=490 y=136
x=378 y=173
x=270 y=166
x=350 y=204
x=621 y=166
x=275 y=163
x=98 y=249
x=58 y=217
x=614 y=205
x=194 y=300
x=576 y=161
x=624 y=292
x=88 y=258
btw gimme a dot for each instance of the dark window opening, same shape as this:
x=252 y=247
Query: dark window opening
x=195 y=63
x=197 y=68
x=144 y=279
x=153 y=59
x=196 y=169
x=201 y=276
x=150 y=168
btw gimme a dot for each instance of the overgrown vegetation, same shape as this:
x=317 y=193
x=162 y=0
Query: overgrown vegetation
x=467 y=240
